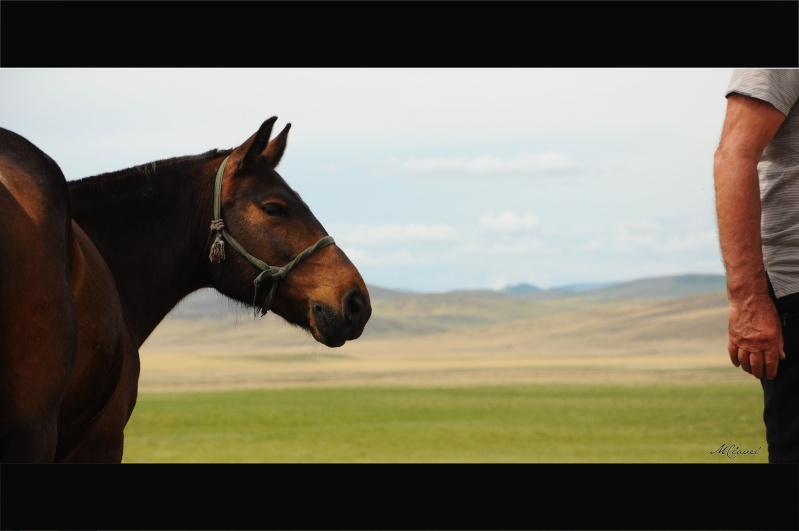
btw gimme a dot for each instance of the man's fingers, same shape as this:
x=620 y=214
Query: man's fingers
x=732 y=348
x=772 y=361
x=757 y=364
x=760 y=364
x=744 y=361
x=754 y=364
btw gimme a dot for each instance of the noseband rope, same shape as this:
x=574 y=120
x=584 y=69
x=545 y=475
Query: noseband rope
x=217 y=253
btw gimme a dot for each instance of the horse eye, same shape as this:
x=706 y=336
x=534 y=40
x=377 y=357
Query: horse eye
x=273 y=209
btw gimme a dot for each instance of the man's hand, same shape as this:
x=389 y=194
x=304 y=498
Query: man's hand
x=755 y=337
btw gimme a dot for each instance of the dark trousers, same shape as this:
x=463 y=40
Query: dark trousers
x=781 y=395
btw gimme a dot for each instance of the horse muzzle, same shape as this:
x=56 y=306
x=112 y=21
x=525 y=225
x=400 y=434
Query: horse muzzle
x=335 y=326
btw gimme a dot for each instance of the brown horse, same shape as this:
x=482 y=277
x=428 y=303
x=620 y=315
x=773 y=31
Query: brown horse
x=144 y=238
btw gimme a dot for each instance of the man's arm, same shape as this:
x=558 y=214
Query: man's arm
x=755 y=336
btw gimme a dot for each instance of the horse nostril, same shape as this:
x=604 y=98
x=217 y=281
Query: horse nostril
x=354 y=305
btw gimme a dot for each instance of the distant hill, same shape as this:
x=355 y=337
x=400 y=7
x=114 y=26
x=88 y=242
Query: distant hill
x=674 y=286
x=432 y=311
x=583 y=287
x=521 y=289
x=656 y=287
x=527 y=289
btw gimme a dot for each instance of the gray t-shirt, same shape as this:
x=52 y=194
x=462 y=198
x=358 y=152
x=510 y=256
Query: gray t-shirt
x=778 y=171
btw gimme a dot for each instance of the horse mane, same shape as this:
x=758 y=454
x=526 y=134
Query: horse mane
x=136 y=181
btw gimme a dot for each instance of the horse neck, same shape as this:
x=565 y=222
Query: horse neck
x=152 y=233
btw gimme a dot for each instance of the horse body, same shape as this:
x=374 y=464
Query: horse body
x=38 y=318
x=103 y=385
x=138 y=242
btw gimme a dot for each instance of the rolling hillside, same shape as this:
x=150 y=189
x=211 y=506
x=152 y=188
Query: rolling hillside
x=647 y=329
x=407 y=312
x=673 y=286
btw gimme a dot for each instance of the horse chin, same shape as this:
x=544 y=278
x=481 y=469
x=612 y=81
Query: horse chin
x=327 y=341
x=325 y=326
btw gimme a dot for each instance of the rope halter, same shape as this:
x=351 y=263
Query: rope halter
x=217 y=253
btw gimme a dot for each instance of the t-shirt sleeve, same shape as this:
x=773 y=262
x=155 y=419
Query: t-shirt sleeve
x=779 y=87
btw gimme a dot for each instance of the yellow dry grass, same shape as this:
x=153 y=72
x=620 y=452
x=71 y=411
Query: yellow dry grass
x=665 y=340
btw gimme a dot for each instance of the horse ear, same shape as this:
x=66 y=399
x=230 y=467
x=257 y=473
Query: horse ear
x=257 y=143
x=276 y=147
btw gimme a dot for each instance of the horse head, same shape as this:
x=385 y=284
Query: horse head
x=270 y=251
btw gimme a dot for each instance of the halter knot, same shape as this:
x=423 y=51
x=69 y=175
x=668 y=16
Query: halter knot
x=217 y=253
x=276 y=274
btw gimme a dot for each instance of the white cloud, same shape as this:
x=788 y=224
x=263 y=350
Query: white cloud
x=523 y=164
x=429 y=165
x=518 y=249
x=588 y=229
x=655 y=239
x=363 y=234
x=509 y=221
x=364 y=258
x=549 y=162
x=696 y=241
x=594 y=245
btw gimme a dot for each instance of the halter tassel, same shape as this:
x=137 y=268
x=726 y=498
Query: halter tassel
x=218 y=247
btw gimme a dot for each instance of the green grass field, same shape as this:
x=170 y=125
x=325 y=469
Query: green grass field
x=541 y=423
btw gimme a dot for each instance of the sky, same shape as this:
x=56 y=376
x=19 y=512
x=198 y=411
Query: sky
x=430 y=179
